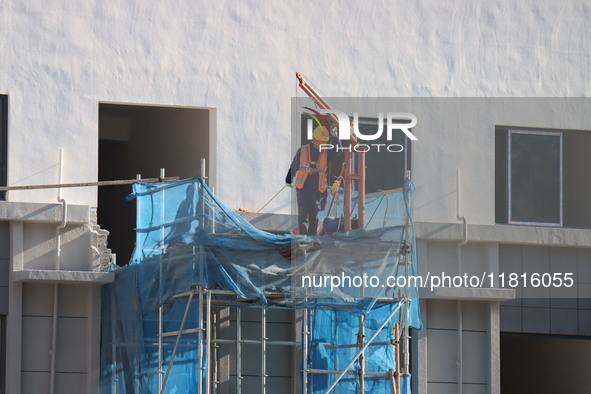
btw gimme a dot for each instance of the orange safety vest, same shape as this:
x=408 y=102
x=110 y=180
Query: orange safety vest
x=307 y=166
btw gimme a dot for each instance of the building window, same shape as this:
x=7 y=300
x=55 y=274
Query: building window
x=385 y=170
x=540 y=177
x=534 y=171
x=3 y=142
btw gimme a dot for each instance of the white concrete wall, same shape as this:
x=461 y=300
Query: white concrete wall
x=460 y=133
x=73 y=342
x=61 y=58
x=38 y=295
x=459 y=341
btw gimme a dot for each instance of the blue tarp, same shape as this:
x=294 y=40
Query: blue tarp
x=187 y=238
x=333 y=328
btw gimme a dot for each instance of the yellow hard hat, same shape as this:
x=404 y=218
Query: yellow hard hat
x=321 y=134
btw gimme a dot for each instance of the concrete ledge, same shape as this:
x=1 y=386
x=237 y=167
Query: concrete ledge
x=45 y=213
x=273 y=222
x=467 y=293
x=505 y=234
x=495 y=233
x=71 y=277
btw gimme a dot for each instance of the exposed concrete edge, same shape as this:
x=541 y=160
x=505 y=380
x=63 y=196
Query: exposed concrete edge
x=467 y=293
x=71 y=277
x=493 y=233
x=271 y=221
x=505 y=234
x=45 y=213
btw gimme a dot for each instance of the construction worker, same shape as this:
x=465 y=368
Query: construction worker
x=309 y=167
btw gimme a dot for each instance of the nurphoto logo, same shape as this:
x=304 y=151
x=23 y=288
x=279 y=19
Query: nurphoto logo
x=394 y=121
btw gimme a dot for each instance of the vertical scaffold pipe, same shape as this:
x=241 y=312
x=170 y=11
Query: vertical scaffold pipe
x=263 y=349
x=238 y=350
x=305 y=351
x=200 y=344
x=208 y=344
x=397 y=351
x=160 y=309
x=360 y=337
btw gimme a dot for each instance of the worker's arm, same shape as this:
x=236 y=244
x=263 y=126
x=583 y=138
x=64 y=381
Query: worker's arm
x=295 y=164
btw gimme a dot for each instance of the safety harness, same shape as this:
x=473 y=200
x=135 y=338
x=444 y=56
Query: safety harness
x=307 y=166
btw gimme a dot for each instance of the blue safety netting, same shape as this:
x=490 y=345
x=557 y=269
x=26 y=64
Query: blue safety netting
x=186 y=238
x=129 y=351
x=334 y=334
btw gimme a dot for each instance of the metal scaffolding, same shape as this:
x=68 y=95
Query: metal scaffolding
x=208 y=342
x=199 y=326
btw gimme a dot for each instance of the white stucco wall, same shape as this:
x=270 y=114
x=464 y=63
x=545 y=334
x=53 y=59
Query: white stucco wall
x=61 y=58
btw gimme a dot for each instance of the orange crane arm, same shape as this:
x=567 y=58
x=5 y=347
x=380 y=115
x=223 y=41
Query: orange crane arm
x=320 y=102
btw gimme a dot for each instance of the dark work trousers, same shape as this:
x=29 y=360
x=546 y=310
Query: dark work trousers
x=308 y=213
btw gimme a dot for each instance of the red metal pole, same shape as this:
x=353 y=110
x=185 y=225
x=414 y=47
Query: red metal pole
x=361 y=189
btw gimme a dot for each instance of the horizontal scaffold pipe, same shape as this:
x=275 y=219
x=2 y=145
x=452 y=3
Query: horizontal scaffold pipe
x=86 y=184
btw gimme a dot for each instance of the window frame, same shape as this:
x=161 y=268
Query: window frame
x=3 y=143
x=559 y=134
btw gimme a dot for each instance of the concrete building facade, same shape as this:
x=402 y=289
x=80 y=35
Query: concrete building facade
x=100 y=91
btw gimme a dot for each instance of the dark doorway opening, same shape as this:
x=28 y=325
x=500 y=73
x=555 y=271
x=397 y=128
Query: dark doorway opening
x=545 y=364
x=141 y=139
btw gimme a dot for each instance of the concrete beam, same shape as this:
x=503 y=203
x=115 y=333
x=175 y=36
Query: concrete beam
x=505 y=234
x=44 y=213
x=467 y=293
x=494 y=233
x=70 y=277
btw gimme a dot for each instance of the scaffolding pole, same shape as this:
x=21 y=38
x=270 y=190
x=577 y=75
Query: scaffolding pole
x=360 y=337
x=397 y=355
x=352 y=373
x=214 y=347
x=200 y=344
x=160 y=350
x=406 y=252
x=208 y=343
x=305 y=335
x=160 y=310
x=263 y=349
x=88 y=184
x=238 y=351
